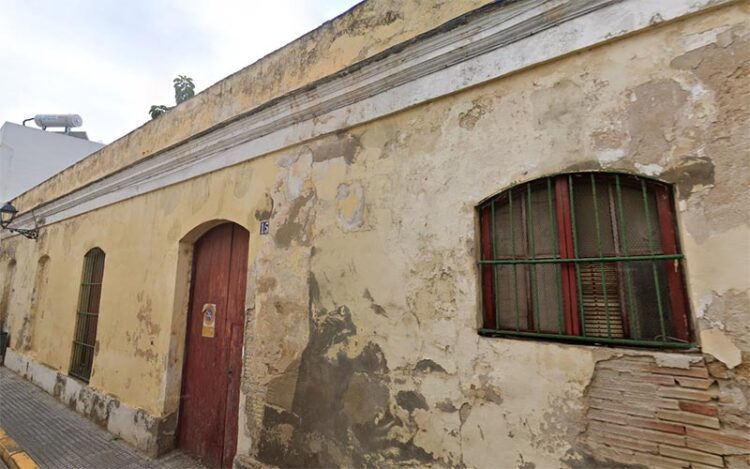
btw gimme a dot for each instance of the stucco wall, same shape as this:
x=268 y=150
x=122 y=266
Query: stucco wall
x=364 y=31
x=361 y=343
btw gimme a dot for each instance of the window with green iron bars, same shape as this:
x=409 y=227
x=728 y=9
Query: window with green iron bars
x=586 y=257
x=84 y=341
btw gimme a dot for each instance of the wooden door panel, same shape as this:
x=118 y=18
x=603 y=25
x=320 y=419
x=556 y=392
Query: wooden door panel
x=232 y=398
x=219 y=270
x=235 y=331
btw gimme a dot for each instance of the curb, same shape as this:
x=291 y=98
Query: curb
x=13 y=455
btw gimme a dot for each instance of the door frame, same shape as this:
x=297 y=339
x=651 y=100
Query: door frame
x=172 y=387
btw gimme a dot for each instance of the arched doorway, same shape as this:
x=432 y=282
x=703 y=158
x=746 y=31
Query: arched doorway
x=213 y=346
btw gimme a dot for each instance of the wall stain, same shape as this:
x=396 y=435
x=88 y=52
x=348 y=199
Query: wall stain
x=264 y=212
x=691 y=172
x=463 y=412
x=376 y=308
x=486 y=391
x=399 y=142
x=652 y=118
x=411 y=400
x=426 y=365
x=446 y=406
x=145 y=314
x=350 y=206
x=341 y=412
x=339 y=145
x=147 y=330
x=243 y=177
x=558 y=104
x=23 y=339
x=363 y=20
x=266 y=284
x=523 y=464
x=293 y=228
x=468 y=120
x=721 y=70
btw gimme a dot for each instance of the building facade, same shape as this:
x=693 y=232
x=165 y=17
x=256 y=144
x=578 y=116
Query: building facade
x=483 y=234
x=28 y=156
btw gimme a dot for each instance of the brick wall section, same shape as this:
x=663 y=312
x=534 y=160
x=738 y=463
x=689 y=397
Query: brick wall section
x=639 y=413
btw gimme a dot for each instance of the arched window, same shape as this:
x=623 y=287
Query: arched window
x=84 y=341
x=588 y=257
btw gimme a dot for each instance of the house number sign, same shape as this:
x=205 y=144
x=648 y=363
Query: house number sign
x=209 y=320
x=264 y=227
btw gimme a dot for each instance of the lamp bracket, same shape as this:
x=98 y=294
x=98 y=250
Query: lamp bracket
x=31 y=233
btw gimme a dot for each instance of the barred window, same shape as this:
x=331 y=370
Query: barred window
x=84 y=341
x=588 y=257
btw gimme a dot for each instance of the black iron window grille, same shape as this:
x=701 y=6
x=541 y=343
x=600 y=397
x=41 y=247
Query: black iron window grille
x=84 y=342
x=587 y=257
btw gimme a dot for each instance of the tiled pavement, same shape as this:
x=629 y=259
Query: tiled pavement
x=57 y=437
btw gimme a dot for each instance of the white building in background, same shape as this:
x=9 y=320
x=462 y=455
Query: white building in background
x=28 y=156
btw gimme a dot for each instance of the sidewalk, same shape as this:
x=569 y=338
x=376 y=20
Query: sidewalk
x=57 y=437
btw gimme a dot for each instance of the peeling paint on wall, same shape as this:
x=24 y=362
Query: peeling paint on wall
x=362 y=304
x=641 y=414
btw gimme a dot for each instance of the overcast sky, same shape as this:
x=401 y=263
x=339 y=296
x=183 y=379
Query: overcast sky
x=110 y=60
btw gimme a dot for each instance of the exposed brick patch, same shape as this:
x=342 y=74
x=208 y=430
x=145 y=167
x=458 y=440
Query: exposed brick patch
x=689 y=417
x=694 y=371
x=703 y=409
x=695 y=383
x=664 y=380
x=621 y=441
x=639 y=412
x=689 y=394
x=688 y=454
x=657 y=425
x=638 y=433
x=737 y=440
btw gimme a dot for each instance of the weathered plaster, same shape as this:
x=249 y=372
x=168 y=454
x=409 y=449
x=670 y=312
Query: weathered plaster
x=717 y=344
x=643 y=414
x=362 y=303
x=481 y=46
x=153 y=436
x=524 y=398
x=367 y=29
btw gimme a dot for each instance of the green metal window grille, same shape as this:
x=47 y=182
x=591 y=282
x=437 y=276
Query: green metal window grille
x=586 y=257
x=84 y=341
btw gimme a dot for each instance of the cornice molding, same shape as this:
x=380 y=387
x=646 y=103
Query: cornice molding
x=485 y=47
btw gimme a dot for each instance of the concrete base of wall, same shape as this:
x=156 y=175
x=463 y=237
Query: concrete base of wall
x=153 y=435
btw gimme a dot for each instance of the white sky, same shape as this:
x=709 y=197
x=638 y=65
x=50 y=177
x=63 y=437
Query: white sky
x=110 y=60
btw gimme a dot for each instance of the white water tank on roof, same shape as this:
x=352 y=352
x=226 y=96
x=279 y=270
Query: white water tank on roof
x=58 y=120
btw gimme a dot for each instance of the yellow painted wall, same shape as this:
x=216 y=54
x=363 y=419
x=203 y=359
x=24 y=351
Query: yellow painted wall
x=364 y=31
x=141 y=239
x=379 y=225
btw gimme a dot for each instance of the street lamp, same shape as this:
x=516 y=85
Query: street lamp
x=7 y=214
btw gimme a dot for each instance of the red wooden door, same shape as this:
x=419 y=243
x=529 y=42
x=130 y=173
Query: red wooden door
x=212 y=365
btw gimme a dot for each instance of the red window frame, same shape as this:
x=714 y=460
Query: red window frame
x=564 y=218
